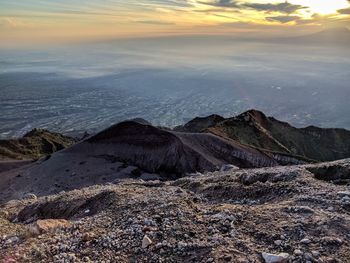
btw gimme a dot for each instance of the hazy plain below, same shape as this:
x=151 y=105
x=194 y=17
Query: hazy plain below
x=87 y=87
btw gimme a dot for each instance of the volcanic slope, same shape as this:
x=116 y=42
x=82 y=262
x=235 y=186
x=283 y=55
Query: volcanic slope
x=133 y=150
x=254 y=128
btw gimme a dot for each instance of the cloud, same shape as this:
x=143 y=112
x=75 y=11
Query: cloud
x=223 y=16
x=283 y=19
x=221 y=3
x=154 y=22
x=279 y=7
x=330 y=20
x=345 y=11
x=11 y=22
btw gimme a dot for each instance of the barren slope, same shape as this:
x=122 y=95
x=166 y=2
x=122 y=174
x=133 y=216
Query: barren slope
x=216 y=217
x=255 y=129
x=131 y=150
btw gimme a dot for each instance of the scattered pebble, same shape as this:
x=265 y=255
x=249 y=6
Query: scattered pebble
x=272 y=258
x=278 y=242
x=298 y=252
x=146 y=241
x=305 y=241
x=207 y=218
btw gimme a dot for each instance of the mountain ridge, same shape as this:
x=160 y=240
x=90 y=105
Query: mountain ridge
x=34 y=144
x=332 y=36
x=254 y=128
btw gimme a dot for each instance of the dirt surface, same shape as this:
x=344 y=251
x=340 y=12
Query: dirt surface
x=232 y=216
x=7 y=165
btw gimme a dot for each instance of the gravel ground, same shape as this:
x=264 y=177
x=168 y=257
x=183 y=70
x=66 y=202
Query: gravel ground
x=286 y=214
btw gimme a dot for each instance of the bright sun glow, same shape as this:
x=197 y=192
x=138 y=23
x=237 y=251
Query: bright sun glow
x=323 y=7
x=41 y=20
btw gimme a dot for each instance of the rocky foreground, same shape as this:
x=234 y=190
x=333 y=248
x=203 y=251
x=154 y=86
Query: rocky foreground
x=277 y=214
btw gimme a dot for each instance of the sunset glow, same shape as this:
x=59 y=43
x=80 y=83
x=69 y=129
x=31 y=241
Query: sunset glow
x=323 y=7
x=46 y=20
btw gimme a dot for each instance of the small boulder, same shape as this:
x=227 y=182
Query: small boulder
x=149 y=177
x=345 y=199
x=48 y=225
x=331 y=241
x=12 y=240
x=278 y=242
x=272 y=258
x=86 y=237
x=228 y=167
x=30 y=196
x=4 y=214
x=146 y=241
x=305 y=241
x=315 y=253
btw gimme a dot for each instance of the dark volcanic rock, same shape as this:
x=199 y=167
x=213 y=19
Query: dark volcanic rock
x=335 y=172
x=166 y=152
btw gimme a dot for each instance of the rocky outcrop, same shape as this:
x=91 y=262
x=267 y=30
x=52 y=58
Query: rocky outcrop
x=337 y=172
x=33 y=145
x=254 y=128
x=48 y=225
x=271 y=258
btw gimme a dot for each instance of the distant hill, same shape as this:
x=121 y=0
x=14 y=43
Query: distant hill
x=34 y=144
x=250 y=139
x=333 y=36
x=199 y=124
x=255 y=129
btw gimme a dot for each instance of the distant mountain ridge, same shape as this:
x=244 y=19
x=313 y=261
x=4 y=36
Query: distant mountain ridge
x=334 y=36
x=250 y=131
x=255 y=129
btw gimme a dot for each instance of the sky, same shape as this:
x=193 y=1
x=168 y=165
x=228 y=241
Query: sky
x=31 y=21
